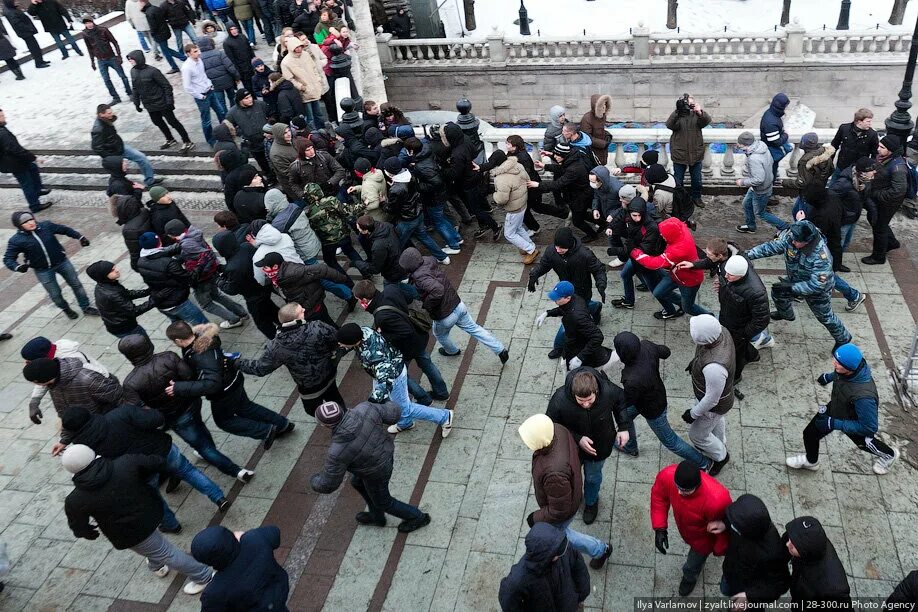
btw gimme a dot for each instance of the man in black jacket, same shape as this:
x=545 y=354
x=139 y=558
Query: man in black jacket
x=25 y=29
x=180 y=18
x=423 y=165
x=464 y=181
x=106 y=142
x=851 y=190
x=403 y=202
x=103 y=49
x=115 y=493
x=238 y=278
x=20 y=162
x=583 y=338
x=384 y=254
x=885 y=196
x=361 y=446
x=572 y=262
x=159 y=29
x=640 y=231
x=236 y=46
x=249 y=116
x=309 y=350
x=154 y=91
x=817 y=574
x=853 y=141
x=168 y=280
x=221 y=382
x=115 y=302
x=57 y=22
x=572 y=179
x=317 y=167
x=301 y=283
x=592 y=408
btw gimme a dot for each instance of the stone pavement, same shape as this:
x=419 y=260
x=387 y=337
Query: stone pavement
x=476 y=483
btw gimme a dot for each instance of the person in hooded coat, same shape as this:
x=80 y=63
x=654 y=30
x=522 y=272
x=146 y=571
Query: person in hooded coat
x=771 y=130
x=556 y=119
x=25 y=29
x=248 y=576
x=237 y=49
x=464 y=181
x=593 y=124
x=224 y=140
x=289 y=218
x=755 y=564
x=516 y=147
x=266 y=239
x=550 y=576
x=301 y=68
x=116 y=302
x=282 y=156
x=150 y=88
x=238 y=174
x=605 y=194
x=134 y=220
x=220 y=69
x=249 y=200
x=238 y=278
x=642 y=232
x=817 y=574
x=118 y=182
x=571 y=172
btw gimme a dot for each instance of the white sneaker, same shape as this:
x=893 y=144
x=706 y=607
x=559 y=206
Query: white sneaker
x=447 y=427
x=881 y=466
x=616 y=263
x=338 y=251
x=760 y=343
x=799 y=462
x=395 y=429
x=446 y=261
x=451 y=251
x=228 y=325
x=531 y=233
x=193 y=588
x=244 y=475
x=159 y=573
x=197 y=454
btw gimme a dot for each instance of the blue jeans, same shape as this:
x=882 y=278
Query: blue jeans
x=411 y=294
x=443 y=226
x=337 y=289
x=650 y=278
x=592 y=480
x=249 y=26
x=169 y=521
x=30 y=182
x=315 y=114
x=850 y=293
x=104 y=66
x=178 y=35
x=192 y=430
x=460 y=317
x=754 y=205
x=143 y=41
x=665 y=294
x=581 y=542
x=59 y=38
x=132 y=154
x=847 y=233
x=593 y=306
x=137 y=331
x=48 y=280
x=694 y=173
x=186 y=311
x=414 y=228
x=210 y=101
x=178 y=465
x=380 y=502
x=171 y=55
x=235 y=413
x=665 y=434
x=410 y=410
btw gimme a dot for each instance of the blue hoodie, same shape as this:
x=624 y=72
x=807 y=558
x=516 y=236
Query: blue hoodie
x=868 y=421
x=605 y=198
x=771 y=128
x=248 y=578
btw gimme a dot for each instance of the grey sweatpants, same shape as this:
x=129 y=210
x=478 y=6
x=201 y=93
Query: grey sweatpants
x=709 y=435
x=159 y=552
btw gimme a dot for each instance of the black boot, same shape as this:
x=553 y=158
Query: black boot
x=18 y=72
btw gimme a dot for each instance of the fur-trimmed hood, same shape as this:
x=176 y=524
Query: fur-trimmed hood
x=600 y=104
x=206 y=336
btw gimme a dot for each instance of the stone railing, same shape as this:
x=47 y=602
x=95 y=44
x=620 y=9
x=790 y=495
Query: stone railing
x=788 y=45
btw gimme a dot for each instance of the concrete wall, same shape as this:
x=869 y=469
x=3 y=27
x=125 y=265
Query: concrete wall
x=648 y=93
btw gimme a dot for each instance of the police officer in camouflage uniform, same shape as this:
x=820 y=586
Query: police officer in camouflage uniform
x=809 y=275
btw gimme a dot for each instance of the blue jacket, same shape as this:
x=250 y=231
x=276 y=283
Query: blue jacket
x=605 y=199
x=248 y=578
x=868 y=421
x=39 y=246
x=771 y=127
x=809 y=268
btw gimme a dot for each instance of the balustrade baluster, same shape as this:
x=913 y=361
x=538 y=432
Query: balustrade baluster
x=726 y=168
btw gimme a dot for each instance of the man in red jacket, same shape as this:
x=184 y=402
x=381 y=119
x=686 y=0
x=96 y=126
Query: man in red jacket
x=697 y=500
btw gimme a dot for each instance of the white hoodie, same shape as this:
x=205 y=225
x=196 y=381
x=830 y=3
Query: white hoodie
x=270 y=240
x=63 y=349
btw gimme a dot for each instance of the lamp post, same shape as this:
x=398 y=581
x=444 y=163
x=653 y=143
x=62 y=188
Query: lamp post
x=524 y=20
x=900 y=122
x=843 y=15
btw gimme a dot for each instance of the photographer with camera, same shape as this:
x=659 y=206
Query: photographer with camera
x=686 y=145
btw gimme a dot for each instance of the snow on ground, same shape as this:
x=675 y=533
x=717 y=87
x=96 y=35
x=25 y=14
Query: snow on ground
x=615 y=17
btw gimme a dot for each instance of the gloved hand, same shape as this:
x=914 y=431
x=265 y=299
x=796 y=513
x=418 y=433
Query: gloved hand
x=533 y=283
x=661 y=540
x=687 y=417
x=824 y=379
x=574 y=363
x=823 y=423
x=541 y=318
x=91 y=534
x=22 y=268
x=783 y=289
x=35 y=414
x=602 y=296
x=628 y=245
x=139 y=109
x=530 y=520
x=84 y=241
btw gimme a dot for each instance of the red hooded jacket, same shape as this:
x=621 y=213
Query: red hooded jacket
x=680 y=246
x=693 y=513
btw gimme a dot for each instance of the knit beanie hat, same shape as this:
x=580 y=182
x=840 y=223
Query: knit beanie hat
x=650 y=157
x=687 y=476
x=562 y=149
x=655 y=173
x=393 y=166
x=705 y=329
x=891 y=142
x=537 y=431
x=21 y=217
x=736 y=265
x=157 y=192
x=241 y=94
x=350 y=334
x=329 y=414
x=175 y=227
x=256 y=62
x=77 y=458
x=75 y=417
x=849 y=356
x=809 y=141
x=564 y=238
x=148 y=240
x=37 y=348
x=627 y=192
x=362 y=165
x=865 y=164
x=42 y=370
x=497 y=158
x=86 y=18
x=99 y=270
x=746 y=138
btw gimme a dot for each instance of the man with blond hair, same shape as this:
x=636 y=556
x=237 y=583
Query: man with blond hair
x=853 y=141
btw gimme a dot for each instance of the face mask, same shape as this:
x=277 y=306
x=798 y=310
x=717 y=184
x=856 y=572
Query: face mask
x=595 y=185
x=364 y=303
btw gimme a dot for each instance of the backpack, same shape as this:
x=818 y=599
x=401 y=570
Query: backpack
x=419 y=319
x=911 y=173
x=683 y=206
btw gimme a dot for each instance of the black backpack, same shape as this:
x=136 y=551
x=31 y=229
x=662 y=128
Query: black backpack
x=683 y=206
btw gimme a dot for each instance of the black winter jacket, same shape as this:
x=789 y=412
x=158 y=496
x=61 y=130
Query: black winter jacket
x=126 y=429
x=116 y=305
x=437 y=292
x=148 y=85
x=323 y=169
x=582 y=337
x=289 y=102
x=177 y=12
x=240 y=53
x=302 y=283
x=827 y=216
x=459 y=174
x=600 y=422
x=118 y=182
x=360 y=445
x=395 y=327
x=572 y=179
x=161 y=214
x=146 y=383
x=579 y=265
x=217 y=66
x=36 y=244
x=159 y=26
x=168 y=280
x=643 y=235
x=105 y=139
x=52 y=15
x=890 y=183
x=853 y=143
x=115 y=493
x=238 y=277
x=307 y=348
x=13 y=156
x=852 y=200
x=403 y=201
x=249 y=204
x=818 y=575
x=134 y=220
x=215 y=374
x=385 y=251
x=21 y=23
x=744 y=305
x=756 y=559
x=641 y=381
x=426 y=170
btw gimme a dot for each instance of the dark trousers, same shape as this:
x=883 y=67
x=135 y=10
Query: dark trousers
x=580 y=218
x=30 y=182
x=159 y=119
x=811 y=437
x=380 y=502
x=744 y=352
x=477 y=205
x=321 y=314
x=258 y=152
x=264 y=315
x=694 y=173
x=883 y=236
x=235 y=413
x=347 y=247
x=330 y=394
x=34 y=49
x=190 y=427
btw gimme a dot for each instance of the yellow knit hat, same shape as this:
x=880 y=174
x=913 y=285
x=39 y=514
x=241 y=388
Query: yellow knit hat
x=537 y=431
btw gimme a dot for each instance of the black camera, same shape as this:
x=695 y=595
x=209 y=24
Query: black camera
x=683 y=106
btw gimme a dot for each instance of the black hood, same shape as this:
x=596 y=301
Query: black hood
x=808 y=537
x=226 y=244
x=627 y=346
x=89 y=429
x=544 y=542
x=94 y=476
x=372 y=136
x=454 y=134
x=140 y=61
x=221 y=132
x=137 y=348
x=749 y=517
x=231 y=159
x=127 y=207
x=216 y=546
x=113 y=163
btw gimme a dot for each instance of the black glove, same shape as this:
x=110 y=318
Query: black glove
x=530 y=520
x=23 y=268
x=661 y=540
x=783 y=289
x=687 y=417
x=824 y=379
x=90 y=534
x=139 y=109
x=602 y=295
x=35 y=414
x=84 y=241
x=533 y=283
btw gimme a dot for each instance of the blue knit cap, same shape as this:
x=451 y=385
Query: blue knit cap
x=849 y=356
x=148 y=240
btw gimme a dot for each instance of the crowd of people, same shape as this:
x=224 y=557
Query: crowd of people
x=303 y=177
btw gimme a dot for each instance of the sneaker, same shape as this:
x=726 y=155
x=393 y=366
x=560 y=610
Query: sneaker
x=854 y=304
x=598 y=562
x=287 y=429
x=616 y=263
x=621 y=303
x=168 y=144
x=531 y=257
x=719 y=465
x=777 y=316
x=481 y=232
x=162 y=572
x=447 y=427
x=245 y=476
x=395 y=429
x=71 y=313
x=269 y=439
x=451 y=251
x=43 y=65
x=743 y=229
x=555 y=353
x=870 y=260
x=686 y=586
x=176 y=529
x=663 y=315
x=698 y=202
x=367 y=518
x=504 y=356
x=193 y=588
x=173 y=71
x=589 y=513
x=172 y=483
x=445 y=262
x=443 y=352
x=188 y=146
x=531 y=233
x=799 y=462
x=414 y=524
x=228 y=325
x=760 y=343
x=881 y=466
x=223 y=504
x=91 y=311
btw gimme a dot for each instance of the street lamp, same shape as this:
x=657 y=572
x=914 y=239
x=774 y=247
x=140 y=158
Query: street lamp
x=900 y=122
x=843 y=15
x=524 y=20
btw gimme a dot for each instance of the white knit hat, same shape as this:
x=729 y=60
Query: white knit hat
x=77 y=458
x=537 y=431
x=737 y=266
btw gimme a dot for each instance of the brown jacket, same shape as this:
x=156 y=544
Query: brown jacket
x=511 y=191
x=687 y=144
x=814 y=166
x=594 y=124
x=557 y=478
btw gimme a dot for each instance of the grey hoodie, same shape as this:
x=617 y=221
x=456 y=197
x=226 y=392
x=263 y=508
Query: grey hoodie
x=280 y=212
x=553 y=131
x=758 y=173
x=270 y=240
